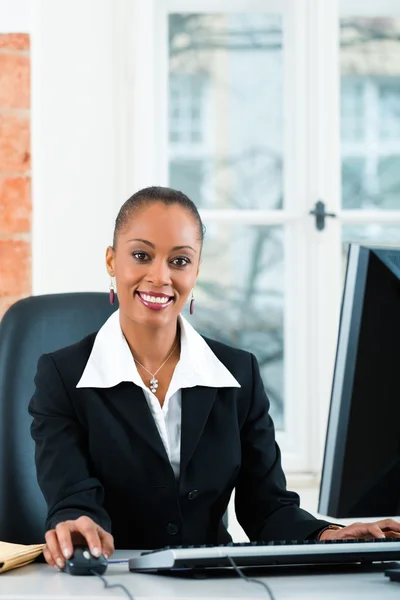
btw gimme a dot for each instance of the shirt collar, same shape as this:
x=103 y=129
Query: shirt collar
x=110 y=361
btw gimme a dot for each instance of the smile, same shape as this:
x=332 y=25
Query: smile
x=157 y=302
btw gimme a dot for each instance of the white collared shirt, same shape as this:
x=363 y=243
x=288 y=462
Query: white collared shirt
x=111 y=363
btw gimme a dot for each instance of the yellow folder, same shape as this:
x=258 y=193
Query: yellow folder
x=17 y=555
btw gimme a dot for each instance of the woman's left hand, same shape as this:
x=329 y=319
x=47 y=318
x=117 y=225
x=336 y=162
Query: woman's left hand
x=387 y=528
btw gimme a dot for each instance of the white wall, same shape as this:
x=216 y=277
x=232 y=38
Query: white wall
x=79 y=159
x=75 y=147
x=15 y=16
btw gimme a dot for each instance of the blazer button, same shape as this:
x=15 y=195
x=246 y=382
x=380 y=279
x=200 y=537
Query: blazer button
x=193 y=494
x=172 y=529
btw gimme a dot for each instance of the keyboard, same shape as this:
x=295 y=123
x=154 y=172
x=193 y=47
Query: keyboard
x=267 y=554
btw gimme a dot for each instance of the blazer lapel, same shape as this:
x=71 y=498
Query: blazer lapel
x=132 y=405
x=197 y=403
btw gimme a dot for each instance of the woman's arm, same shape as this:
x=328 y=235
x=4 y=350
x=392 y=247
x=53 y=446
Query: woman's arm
x=264 y=507
x=61 y=457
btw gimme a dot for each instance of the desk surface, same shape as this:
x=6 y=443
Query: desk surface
x=40 y=582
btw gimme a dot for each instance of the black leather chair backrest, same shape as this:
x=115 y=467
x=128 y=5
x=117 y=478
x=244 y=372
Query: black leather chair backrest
x=30 y=328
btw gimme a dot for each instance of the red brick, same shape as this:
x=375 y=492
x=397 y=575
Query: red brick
x=15 y=268
x=14 y=81
x=14 y=143
x=14 y=41
x=15 y=205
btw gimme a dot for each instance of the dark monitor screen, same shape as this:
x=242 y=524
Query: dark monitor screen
x=361 y=472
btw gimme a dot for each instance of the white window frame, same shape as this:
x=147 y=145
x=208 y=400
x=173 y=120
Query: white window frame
x=323 y=67
x=312 y=172
x=305 y=81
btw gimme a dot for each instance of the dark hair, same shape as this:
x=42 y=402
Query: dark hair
x=150 y=195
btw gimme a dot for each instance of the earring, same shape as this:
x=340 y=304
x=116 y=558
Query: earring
x=192 y=299
x=112 y=291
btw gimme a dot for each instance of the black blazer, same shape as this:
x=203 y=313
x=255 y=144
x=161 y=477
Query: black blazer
x=99 y=453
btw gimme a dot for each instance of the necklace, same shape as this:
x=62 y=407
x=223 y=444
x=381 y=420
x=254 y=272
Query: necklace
x=153 y=380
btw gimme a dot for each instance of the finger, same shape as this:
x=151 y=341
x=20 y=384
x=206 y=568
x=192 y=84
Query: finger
x=389 y=533
x=389 y=524
x=90 y=530
x=54 y=549
x=360 y=530
x=107 y=542
x=48 y=557
x=372 y=530
x=63 y=531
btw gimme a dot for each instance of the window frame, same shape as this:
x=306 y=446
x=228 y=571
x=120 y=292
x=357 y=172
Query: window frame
x=310 y=144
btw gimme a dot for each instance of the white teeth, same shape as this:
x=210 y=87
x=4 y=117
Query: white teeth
x=155 y=300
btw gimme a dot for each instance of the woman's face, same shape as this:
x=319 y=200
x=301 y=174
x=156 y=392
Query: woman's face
x=155 y=263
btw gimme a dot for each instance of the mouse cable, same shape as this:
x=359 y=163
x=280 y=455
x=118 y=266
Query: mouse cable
x=118 y=561
x=114 y=585
x=251 y=579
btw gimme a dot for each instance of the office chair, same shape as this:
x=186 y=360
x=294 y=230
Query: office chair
x=30 y=328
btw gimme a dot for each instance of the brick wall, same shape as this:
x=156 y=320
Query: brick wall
x=15 y=173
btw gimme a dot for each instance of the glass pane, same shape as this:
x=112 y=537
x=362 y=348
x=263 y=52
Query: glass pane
x=225 y=109
x=370 y=112
x=389 y=106
x=239 y=298
x=389 y=180
x=372 y=234
x=353 y=192
x=352 y=113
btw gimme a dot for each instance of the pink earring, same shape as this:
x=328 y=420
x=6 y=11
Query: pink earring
x=192 y=299
x=112 y=292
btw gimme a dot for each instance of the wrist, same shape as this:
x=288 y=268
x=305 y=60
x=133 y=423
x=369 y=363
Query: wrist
x=325 y=534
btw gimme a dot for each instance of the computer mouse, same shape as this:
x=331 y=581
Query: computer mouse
x=84 y=563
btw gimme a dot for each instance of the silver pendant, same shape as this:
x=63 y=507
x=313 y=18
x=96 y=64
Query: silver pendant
x=153 y=385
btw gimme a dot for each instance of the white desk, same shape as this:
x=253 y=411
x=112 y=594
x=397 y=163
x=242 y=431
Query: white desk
x=40 y=582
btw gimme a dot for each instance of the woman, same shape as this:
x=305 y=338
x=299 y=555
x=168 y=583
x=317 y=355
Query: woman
x=143 y=430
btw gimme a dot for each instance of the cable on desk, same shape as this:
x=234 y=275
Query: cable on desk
x=251 y=579
x=118 y=561
x=114 y=585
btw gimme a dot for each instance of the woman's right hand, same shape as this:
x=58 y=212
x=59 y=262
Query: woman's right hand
x=60 y=541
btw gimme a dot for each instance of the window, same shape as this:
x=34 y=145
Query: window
x=186 y=111
x=226 y=157
x=370 y=112
x=353 y=110
x=188 y=144
x=249 y=122
x=389 y=110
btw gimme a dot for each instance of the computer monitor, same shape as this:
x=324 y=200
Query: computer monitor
x=361 y=469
